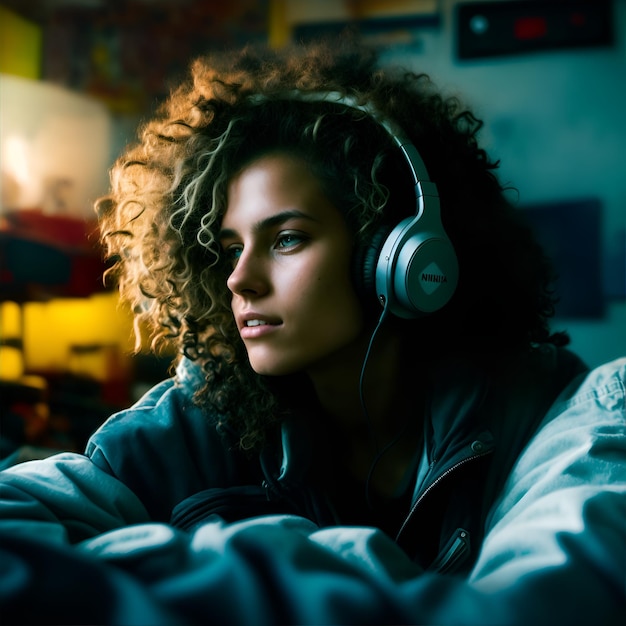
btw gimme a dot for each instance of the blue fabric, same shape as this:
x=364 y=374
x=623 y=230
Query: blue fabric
x=74 y=534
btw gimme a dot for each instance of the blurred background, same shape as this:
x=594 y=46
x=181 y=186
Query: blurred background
x=77 y=76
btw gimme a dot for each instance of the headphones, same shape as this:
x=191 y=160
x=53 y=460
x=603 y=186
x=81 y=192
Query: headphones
x=412 y=267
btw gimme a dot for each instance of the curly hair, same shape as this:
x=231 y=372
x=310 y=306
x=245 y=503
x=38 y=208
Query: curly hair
x=169 y=193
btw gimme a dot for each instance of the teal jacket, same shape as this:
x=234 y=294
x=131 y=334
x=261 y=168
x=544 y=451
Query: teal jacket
x=518 y=516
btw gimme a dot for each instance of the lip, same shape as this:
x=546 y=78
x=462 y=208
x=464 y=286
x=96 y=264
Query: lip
x=260 y=330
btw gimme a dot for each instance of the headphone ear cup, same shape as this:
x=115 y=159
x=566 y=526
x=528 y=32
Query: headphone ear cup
x=366 y=261
x=417 y=271
x=425 y=276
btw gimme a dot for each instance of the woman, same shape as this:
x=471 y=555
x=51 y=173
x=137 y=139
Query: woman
x=370 y=419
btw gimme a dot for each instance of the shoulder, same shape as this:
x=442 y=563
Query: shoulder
x=560 y=517
x=162 y=412
x=165 y=447
x=589 y=408
x=587 y=422
x=581 y=442
x=601 y=390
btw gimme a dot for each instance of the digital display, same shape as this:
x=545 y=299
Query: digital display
x=499 y=28
x=530 y=28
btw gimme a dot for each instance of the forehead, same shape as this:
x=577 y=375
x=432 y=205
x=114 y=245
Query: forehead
x=275 y=183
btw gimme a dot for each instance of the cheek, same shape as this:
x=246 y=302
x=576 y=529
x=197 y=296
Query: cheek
x=335 y=294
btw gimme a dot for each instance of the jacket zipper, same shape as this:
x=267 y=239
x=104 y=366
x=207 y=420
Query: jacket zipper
x=434 y=484
x=459 y=545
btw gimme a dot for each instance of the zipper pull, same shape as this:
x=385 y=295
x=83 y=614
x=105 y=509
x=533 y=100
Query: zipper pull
x=454 y=553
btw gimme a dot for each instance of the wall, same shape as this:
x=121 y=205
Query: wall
x=556 y=120
x=55 y=147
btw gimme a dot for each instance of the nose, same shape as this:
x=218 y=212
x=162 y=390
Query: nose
x=248 y=276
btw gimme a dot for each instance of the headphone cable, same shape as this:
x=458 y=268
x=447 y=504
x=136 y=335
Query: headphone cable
x=378 y=454
x=368 y=418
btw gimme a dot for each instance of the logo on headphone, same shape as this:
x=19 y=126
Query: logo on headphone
x=432 y=278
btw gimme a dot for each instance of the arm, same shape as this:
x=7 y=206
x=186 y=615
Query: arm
x=65 y=497
x=558 y=535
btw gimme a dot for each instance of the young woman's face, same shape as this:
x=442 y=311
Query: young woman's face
x=292 y=295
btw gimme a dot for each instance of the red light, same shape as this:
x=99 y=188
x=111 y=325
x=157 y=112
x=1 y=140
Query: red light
x=578 y=19
x=530 y=28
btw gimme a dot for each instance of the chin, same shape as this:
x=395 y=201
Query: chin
x=272 y=371
x=269 y=367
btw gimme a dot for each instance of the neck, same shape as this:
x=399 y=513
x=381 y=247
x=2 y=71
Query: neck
x=337 y=383
x=393 y=409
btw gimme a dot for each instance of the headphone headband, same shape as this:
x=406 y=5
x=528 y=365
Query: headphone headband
x=400 y=138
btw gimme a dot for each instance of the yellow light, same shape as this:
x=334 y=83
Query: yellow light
x=77 y=334
x=20 y=45
x=11 y=363
x=10 y=320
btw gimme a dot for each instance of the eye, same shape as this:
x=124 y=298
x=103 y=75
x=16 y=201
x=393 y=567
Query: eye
x=285 y=241
x=233 y=252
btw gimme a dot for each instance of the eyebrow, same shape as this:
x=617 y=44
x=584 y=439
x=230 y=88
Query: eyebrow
x=268 y=222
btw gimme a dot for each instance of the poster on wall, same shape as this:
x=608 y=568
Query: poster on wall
x=129 y=54
x=379 y=22
x=571 y=234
